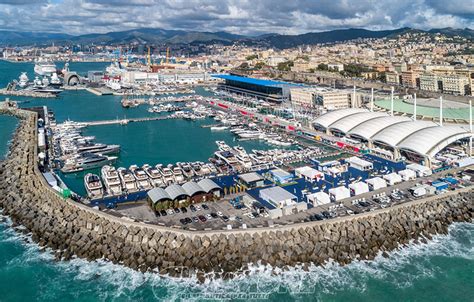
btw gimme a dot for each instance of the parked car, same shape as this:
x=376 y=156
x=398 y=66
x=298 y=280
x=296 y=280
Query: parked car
x=205 y=207
x=163 y=213
x=184 y=210
x=176 y=210
x=208 y=216
x=220 y=214
x=193 y=208
x=195 y=219
x=225 y=218
x=214 y=215
x=202 y=218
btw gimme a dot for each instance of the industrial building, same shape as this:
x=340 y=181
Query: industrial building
x=418 y=141
x=268 y=90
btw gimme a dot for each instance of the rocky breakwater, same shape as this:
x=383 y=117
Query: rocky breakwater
x=71 y=229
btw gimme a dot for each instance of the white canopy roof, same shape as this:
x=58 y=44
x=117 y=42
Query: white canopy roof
x=430 y=141
x=347 y=123
x=329 y=118
x=394 y=134
x=371 y=127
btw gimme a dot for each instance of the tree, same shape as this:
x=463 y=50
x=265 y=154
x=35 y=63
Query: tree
x=323 y=67
x=244 y=65
x=251 y=57
x=285 y=66
x=259 y=65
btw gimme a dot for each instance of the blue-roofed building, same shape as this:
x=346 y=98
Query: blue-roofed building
x=269 y=90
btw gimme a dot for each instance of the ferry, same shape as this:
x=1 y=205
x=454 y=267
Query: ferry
x=128 y=180
x=111 y=180
x=154 y=174
x=93 y=186
x=141 y=177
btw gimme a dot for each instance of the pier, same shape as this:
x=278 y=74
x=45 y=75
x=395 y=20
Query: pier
x=126 y=121
x=27 y=93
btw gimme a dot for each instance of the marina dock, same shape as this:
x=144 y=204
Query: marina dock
x=126 y=121
x=26 y=93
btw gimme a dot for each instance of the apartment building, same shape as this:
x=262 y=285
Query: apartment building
x=429 y=82
x=455 y=84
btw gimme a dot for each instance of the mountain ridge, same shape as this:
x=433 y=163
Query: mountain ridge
x=165 y=36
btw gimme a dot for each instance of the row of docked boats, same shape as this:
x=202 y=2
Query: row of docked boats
x=120 y=181
x=76 y=153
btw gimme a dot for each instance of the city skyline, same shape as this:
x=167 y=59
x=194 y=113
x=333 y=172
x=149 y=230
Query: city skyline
x=238 y=17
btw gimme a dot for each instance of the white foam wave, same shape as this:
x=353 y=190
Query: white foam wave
x=403 y=267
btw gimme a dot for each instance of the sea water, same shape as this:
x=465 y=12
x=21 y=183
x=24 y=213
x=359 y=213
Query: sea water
x=442 y=270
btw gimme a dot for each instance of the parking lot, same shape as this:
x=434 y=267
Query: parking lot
x=222 y=215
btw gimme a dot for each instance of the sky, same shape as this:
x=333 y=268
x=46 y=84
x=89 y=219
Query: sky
x=248 y=17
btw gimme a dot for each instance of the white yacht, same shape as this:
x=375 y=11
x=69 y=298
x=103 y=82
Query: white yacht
x=111 y=180
x=23 y=81
x=178 y=175
x=93 y=186
x=154 y=174
x=167 y=175
x=142 y=178
x=129 y=183
x=55 y=81
x=44 y=67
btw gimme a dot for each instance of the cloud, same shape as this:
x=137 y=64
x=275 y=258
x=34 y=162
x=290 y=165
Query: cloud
x=236 y=16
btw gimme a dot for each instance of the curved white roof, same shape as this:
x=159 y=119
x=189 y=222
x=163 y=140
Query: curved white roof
x=371 y=127
x=430 y=141
x=192 y=188
x=174 y=191
x=394 y=134
x=329 y=118
x=347 y=123
x=157 y=194
x=208 y=185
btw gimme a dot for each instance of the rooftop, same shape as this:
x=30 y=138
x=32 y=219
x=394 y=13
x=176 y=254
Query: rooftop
x=254 y=81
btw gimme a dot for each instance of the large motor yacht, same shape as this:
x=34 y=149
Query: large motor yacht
x=93 y=186
x=111 y=180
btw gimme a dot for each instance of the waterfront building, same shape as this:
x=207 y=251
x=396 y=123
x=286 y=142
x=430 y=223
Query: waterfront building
x=323 y=98
x=273 y=91
x=281 y=176
x=418 y=141
x=251 y=180
x=278 y=197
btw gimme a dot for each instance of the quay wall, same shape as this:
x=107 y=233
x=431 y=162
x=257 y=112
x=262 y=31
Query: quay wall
x=70 y=228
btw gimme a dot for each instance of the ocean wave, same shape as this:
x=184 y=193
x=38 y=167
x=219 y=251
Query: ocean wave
x=401 y=270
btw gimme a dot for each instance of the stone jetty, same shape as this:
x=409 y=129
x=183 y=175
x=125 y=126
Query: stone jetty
x=71 y=228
